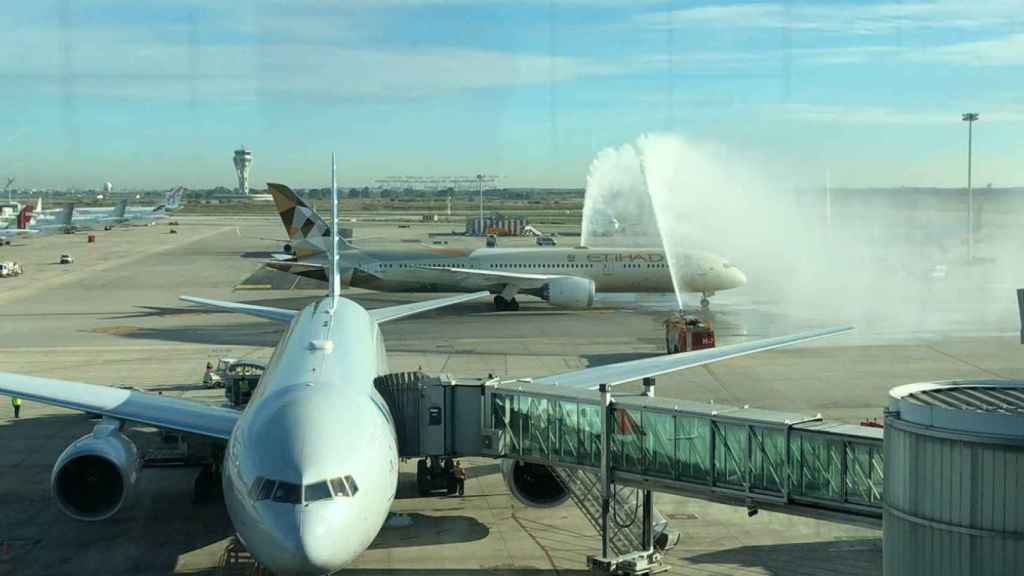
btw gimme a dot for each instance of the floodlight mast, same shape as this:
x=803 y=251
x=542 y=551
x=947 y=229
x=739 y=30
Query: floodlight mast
x=970 y=118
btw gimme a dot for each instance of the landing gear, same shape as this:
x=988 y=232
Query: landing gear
x=705 y=304
x=503 y=304
x=207 y=483
x=435 y=474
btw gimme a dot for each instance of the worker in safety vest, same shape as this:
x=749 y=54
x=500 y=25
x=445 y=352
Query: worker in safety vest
x=16 y=402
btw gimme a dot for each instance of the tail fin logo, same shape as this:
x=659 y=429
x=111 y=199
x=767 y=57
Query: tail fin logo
x=300 y=221
x=173 y=199
x=24 y=217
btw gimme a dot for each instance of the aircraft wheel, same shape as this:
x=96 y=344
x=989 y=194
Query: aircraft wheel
x=705 y=303
x=513 y=304
x=500 y=303
x=421 y=477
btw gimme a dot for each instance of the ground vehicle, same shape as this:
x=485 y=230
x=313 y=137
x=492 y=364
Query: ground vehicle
x=9 y=268
x=214 y=376
x=66 y=259
x=241 y=379
x=687 y=333
x=546 y=241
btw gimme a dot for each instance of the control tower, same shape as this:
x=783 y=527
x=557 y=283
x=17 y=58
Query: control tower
x=243 y=163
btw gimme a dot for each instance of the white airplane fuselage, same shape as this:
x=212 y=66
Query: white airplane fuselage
x=316 y=416
x=611 y=270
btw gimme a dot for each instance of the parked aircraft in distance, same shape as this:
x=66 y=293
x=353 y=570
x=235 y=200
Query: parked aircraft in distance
x=564 y=277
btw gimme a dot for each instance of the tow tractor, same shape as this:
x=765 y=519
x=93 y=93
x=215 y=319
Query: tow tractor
x=687 y=333
x=241 y=379
x=214 y=377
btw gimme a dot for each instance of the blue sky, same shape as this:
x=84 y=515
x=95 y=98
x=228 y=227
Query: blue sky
x=154 y=94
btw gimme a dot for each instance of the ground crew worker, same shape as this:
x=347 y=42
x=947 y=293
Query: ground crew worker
x=460 y=477
x=16 y=402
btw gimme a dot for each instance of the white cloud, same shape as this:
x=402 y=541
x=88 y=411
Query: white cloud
x=853 y=18
x=867 y=115
x=101 y=62
x=1005 y=50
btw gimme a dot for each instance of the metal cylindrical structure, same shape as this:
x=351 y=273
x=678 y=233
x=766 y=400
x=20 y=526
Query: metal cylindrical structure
x=954 y=479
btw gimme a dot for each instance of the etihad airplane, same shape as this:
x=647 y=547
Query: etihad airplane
x=310 y=468
x=564 y=277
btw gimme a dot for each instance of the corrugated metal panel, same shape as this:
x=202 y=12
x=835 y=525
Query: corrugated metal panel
x=952 y=506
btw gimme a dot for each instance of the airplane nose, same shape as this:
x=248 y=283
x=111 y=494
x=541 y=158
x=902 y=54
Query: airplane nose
x=322 y=551
x=304 y=542
x=737 y=278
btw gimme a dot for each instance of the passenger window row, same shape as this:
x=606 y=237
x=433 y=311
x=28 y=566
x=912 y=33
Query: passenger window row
x=288 y=493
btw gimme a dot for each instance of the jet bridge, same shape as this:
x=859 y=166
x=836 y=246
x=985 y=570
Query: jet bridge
x=599 y=444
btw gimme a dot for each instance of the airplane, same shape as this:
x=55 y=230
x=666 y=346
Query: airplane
x=564 y=277
x=310 y=468
x=24 y=225
x=122 y=213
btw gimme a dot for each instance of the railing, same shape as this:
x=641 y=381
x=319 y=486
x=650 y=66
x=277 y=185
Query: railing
x=693 y=449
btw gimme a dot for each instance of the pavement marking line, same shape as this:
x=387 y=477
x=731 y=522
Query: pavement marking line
x=537 y=542
x=49 y=283
x=962 y=361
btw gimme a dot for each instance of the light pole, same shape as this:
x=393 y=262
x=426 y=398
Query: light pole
x=480 y=183
x=970 y=118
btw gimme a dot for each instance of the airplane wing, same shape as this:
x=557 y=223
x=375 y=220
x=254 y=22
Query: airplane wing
x=403 y=310
x=613 y=374
x=276 y=314
x=123 y=404
x=522 y=280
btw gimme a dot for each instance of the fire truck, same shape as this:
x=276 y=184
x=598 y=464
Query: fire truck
x=687 y=333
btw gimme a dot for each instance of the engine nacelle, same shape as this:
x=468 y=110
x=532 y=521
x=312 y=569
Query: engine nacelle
x=569 y=292
x=288 y=249
x=95 y=475
x=533 y=484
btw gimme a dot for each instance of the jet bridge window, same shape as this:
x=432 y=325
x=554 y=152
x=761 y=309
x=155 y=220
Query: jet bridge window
x=316 y=491
x=287 y=493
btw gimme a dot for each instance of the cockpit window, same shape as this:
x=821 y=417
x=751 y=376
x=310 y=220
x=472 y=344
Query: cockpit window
x=254 y=490
x=266 y=490
x=339 y=488
x=287 y=493
x=353 y=488
x=316 y=491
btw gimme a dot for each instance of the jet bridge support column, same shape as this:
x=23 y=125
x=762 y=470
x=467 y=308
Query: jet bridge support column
x=647 y=536
x=606 y=491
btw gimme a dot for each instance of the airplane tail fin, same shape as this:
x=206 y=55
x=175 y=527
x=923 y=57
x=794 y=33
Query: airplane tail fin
x=68 y=214
x=301 y=222
x=24 y=217
x=173 y=199
x=39 y=204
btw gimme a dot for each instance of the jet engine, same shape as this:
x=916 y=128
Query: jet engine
x=533 y=484
x=95 y=475
x=569 y=292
